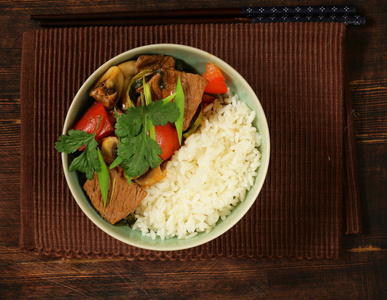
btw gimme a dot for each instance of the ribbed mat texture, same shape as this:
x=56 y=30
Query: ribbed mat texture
x=298 y=71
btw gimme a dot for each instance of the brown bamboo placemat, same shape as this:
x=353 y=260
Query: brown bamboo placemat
x=298 y=70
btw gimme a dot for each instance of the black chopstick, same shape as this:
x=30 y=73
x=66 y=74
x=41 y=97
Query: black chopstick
x=248 y=12
x=139 y=22
x=346 y=19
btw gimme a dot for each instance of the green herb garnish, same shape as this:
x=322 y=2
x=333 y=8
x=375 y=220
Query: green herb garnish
x=169 y=98
x=148 y=100
x=179 y=100
x=136 y=150
x=87 y=162
x=90 y=160
x=103 y=177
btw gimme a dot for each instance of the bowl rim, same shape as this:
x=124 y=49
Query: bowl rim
x=99 y=221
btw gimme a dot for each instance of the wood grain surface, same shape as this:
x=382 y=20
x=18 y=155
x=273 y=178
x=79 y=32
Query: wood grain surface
x=360 y=272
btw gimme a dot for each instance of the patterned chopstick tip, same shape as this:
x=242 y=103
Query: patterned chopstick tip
x=346 y=19
x=313 y=9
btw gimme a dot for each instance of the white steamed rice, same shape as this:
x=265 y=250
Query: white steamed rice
x=207 y=177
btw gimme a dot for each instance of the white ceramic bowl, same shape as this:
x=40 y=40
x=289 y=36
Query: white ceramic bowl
x=197 y=59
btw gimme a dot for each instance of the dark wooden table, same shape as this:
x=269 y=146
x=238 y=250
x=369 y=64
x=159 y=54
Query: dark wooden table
x=360 y=273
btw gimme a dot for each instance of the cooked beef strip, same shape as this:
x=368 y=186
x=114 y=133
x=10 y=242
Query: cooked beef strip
x=124 y=200
x=193 y=87
x=154 y=62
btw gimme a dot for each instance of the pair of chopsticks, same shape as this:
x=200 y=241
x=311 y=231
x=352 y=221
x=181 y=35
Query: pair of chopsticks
x=323 y=13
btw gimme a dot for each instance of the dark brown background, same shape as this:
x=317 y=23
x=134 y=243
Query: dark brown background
x=360 y=273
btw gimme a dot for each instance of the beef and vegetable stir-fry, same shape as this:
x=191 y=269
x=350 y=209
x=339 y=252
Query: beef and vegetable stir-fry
x=141 y=112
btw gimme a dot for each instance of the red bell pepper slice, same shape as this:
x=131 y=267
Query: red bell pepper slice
x=216 y=81
x=89 y=121
x=168 y=140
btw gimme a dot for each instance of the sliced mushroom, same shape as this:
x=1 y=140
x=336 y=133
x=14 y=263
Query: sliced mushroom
x=109 y=148
x=109 y=87
x=151 y=177
x=128 y=69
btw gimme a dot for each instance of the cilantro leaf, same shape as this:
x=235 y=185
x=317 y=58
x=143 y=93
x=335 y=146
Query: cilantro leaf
x=74 y=140
x=130 y=124
x=161 y=113
x=138 y=153
x=87 y=162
